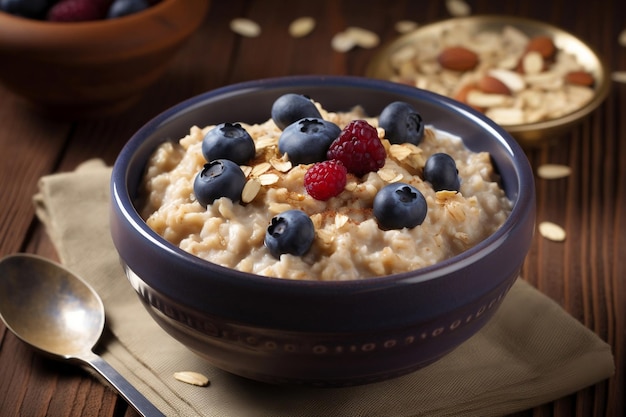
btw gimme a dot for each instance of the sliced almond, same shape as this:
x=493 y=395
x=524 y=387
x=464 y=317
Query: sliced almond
x=341 y=220
x=301 y=27
x=506 y=116
x=552 y=231
x=405 y=26
x=553 y=171
x=245 y=27
x=403 y=55
x=480 y=99
x=281 y=164
x=399 y=152
x=389 y=175
x=511 y=79
x=247 y=170
x=260 y=169
x=193 y=378
x=266 y=141
x=268 y=179
x=532 y=63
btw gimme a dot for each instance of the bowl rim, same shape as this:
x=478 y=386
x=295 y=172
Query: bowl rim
x=601 y=90
x=524 y=203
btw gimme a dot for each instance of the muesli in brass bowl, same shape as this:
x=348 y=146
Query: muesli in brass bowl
x=535 y=80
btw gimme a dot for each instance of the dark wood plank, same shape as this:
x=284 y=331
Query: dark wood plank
x=584 y=274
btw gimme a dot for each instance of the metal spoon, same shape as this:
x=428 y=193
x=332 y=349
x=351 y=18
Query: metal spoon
x=58 y=314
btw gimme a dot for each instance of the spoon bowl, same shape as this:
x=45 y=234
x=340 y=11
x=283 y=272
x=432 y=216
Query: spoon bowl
x=61 y=316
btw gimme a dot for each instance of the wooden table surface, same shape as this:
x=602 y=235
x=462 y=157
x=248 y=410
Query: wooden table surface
x=585 y=274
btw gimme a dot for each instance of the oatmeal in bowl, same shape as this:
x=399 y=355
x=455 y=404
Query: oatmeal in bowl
x=356 y=228
x=219 y=267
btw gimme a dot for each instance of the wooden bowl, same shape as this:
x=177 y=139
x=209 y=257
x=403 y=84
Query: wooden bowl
x=96 y=68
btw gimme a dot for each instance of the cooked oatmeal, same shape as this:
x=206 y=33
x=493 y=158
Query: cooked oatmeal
x=348 y=243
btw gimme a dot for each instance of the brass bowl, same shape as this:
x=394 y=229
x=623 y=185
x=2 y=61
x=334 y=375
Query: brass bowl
x=527 y=134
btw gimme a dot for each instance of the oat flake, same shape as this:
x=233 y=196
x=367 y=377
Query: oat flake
x=619 y=76
x=342 y=42
x=622 y=38
x=363 y=37
x=301 y=27
x=552 y=231
x=553 y=171
x=193 y=378
x=245 y=27
x=250 y=190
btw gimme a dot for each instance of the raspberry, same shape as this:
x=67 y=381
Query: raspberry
x=325 y=179
x=78 y=10
x=358 y=148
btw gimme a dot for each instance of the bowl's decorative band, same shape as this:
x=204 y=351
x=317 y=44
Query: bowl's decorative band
x=188 y=321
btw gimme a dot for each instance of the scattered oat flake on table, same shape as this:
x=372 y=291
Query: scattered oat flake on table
x=245 y=27
x=193 y=378
x=552 y=231
x=354 y=36
x=405 y=26
x=622 y=38
x=619 y=76
x=458 y=8
x=342 y=42
x=553 y=171
x=363 y=37
x=301 y=27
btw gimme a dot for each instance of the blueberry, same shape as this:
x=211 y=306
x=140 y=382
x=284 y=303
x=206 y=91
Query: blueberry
x=219 y=178
x=291 y=107
x=307 y=140
x=441 y=172
x=399 y=205
x=121 y=8
x=402 y=123
x=228 y=141
x=290 y=232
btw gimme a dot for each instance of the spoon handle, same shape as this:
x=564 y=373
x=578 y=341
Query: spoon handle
x=133 y=397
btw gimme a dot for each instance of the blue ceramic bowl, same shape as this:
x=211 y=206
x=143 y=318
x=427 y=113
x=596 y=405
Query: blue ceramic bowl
x=321 y=333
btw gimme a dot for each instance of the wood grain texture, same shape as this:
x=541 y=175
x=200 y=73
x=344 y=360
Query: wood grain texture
x=585 y=274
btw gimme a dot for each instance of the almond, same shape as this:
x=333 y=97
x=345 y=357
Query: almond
x=458 y=58
x=542 y=44
x=579 y=78
x=461 y=95
x=492 y=85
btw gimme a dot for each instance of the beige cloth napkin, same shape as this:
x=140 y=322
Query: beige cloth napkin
x=532 y=351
